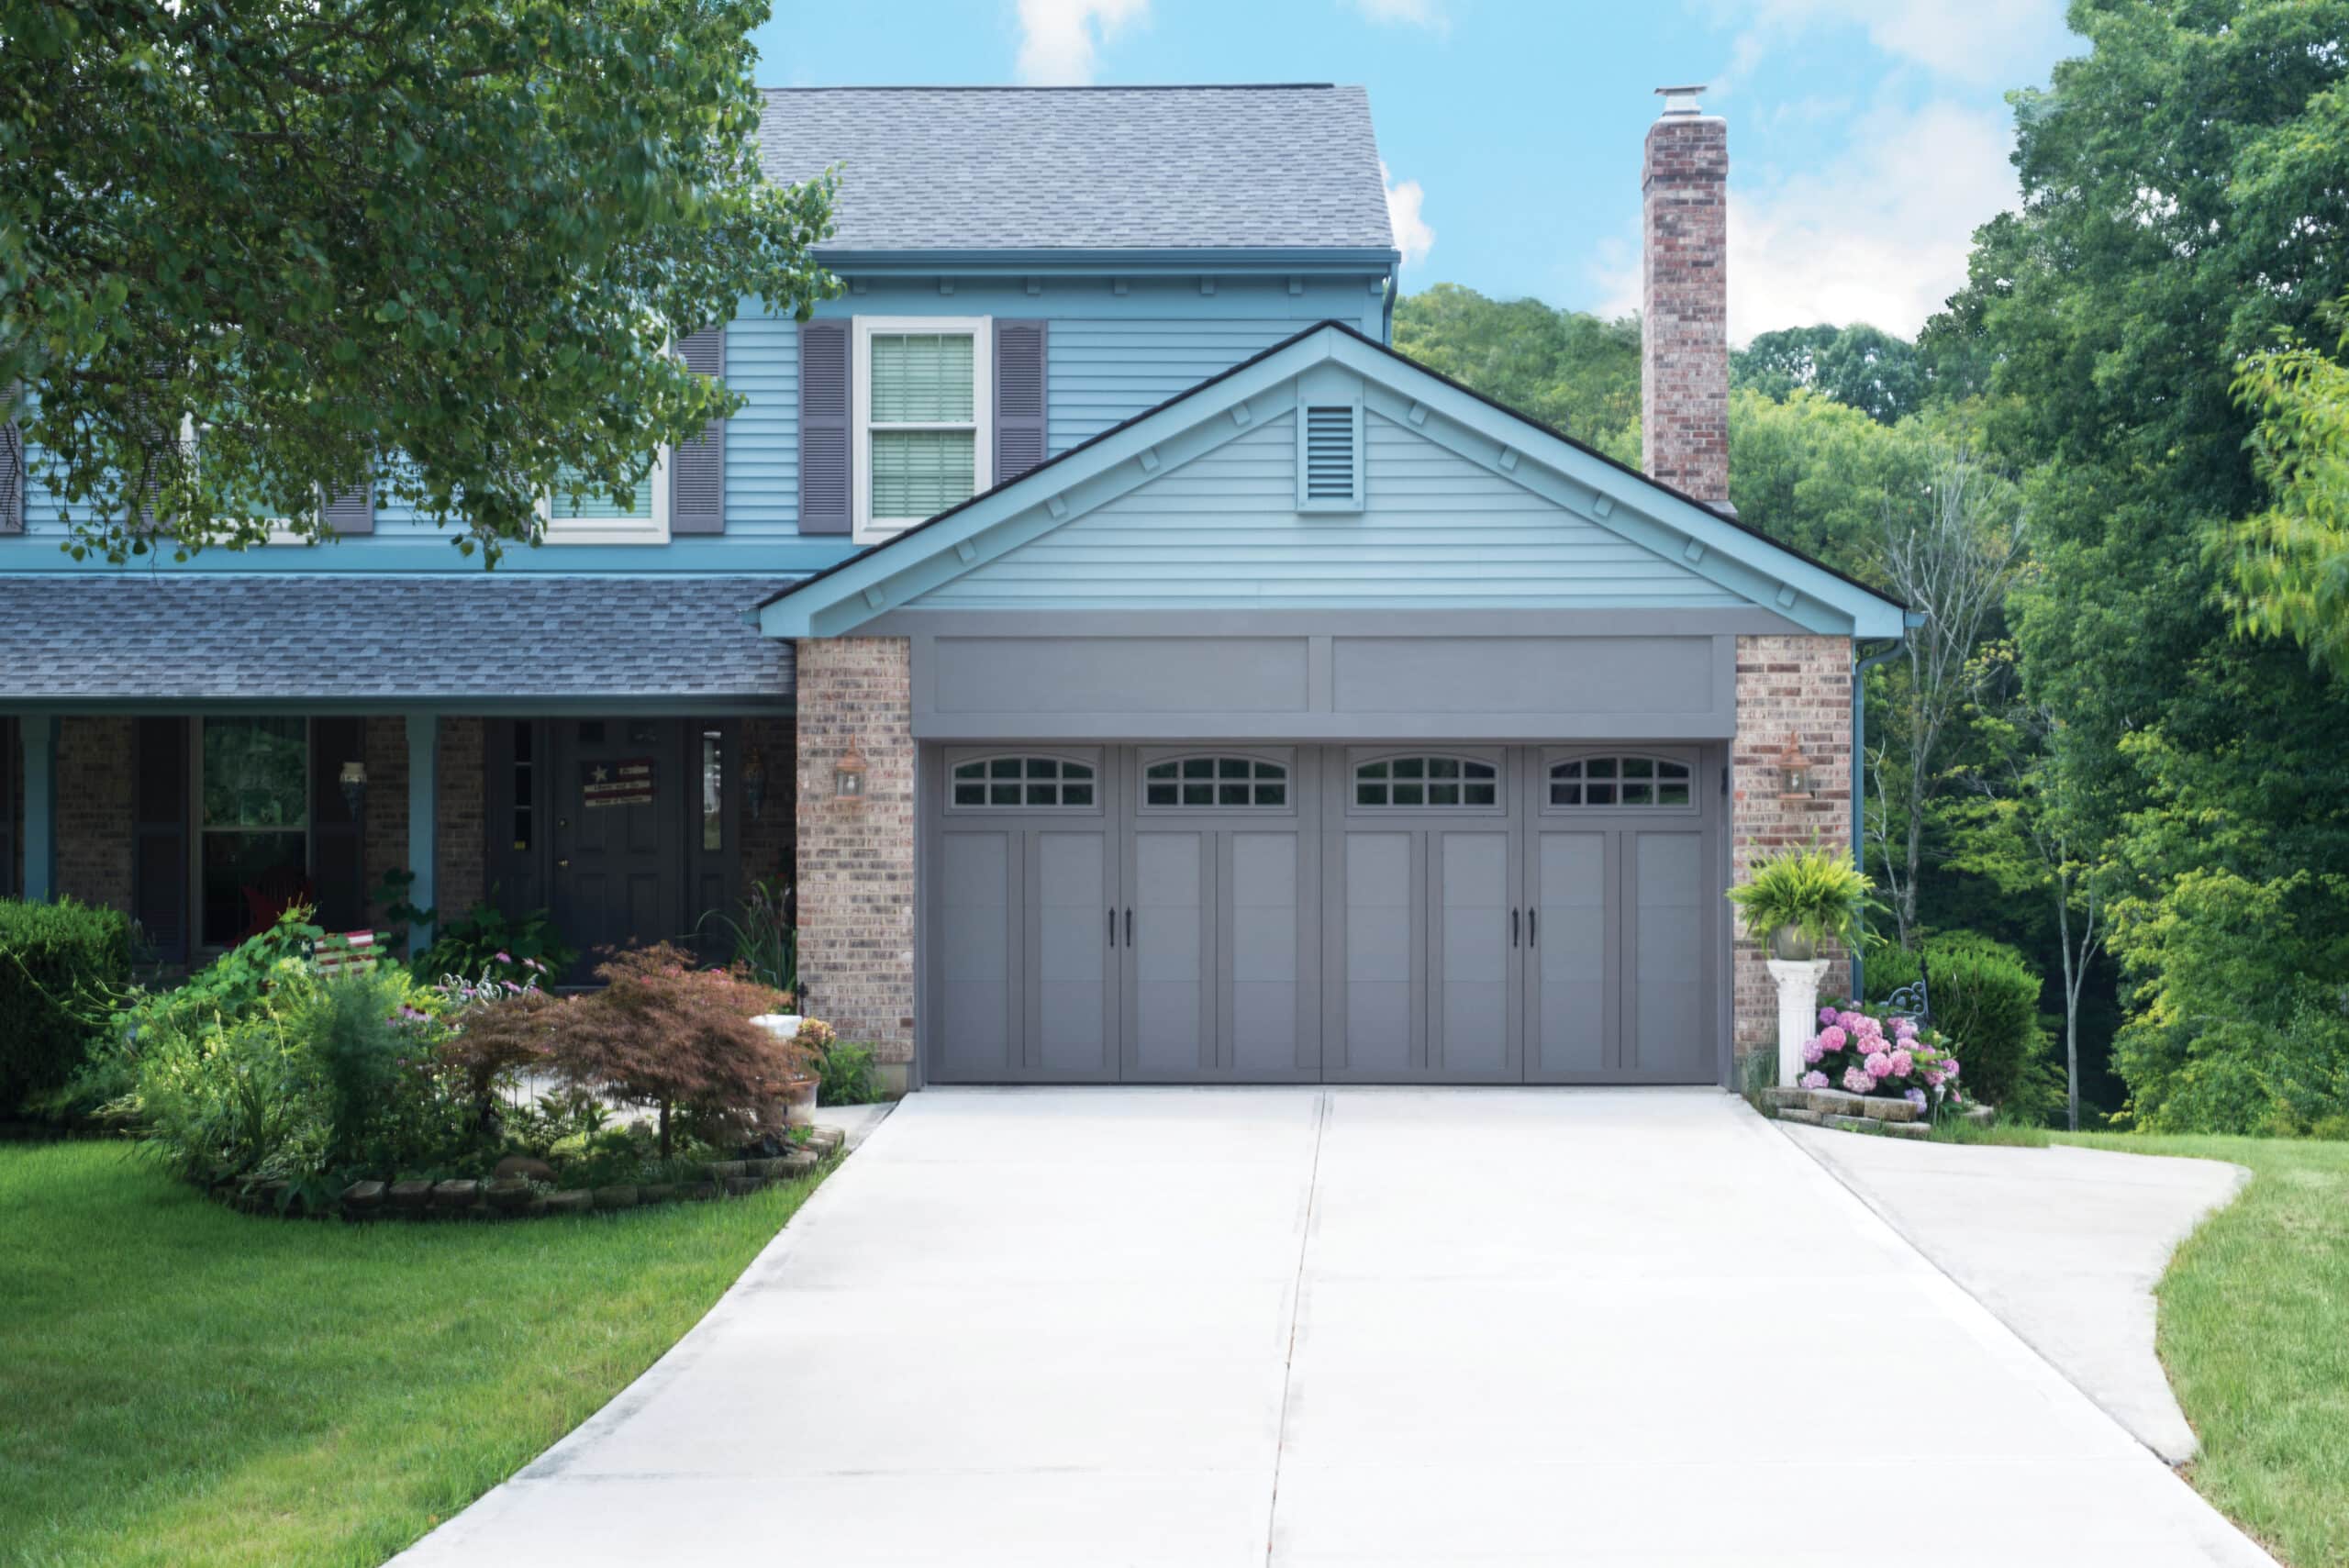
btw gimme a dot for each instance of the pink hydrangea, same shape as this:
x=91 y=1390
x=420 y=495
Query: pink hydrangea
x=1851 y=1021
x=1813 y=1049
x=1902 y=1062
x=1826 y=1017
x=1905 y=1028
x=1878 y=1064
x=1833 y=1038
x=1856 y=1079
x=1814 y=1079
x=1949 y=1068
x=1933 y=1076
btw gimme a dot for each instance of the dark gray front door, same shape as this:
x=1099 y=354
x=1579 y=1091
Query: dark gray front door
x=620 y=795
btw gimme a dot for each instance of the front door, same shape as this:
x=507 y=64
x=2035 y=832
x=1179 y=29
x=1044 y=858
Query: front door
x=619 y=801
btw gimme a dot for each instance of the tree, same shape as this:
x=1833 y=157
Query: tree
x=247 y=249
x=1952 y=561
x=1566 y=368
x=1860 y=366
x=2290 y=564
x=2182 y=197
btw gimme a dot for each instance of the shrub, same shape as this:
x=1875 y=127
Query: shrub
x=765 y=946
x=61 y=966
x=850 y=1074
x=1984 y=997
x=1815 y=892
x=666 y=1034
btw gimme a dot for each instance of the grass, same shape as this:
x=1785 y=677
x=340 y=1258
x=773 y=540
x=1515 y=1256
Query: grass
x=182 y=1384
x=2253 y=1331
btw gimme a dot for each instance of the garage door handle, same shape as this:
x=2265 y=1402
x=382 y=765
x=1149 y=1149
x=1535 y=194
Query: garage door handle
x=1130 y=924
x=1113 y=927
x=1512 y=927
x=1532 y=927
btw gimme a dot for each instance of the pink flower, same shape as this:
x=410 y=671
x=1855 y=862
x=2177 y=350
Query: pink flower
x=1902 y=1063
x=1857 y=1080
x=1850 y=1020
x=1878 y=1064
x=1933 y=1076
x=1831 y=1037
x=1813 y=1080
x=1949 y=1068
x=1813 y=1049
x=1905 y=1028
x=1826 y=1017
x=505 y=958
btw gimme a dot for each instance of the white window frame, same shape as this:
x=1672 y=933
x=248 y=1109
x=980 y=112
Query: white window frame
x=865 y=529
x=615 y=530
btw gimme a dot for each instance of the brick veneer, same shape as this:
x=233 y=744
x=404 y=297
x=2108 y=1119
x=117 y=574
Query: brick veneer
x=1683 y=305
x=462 y=834
x=1797 y=686
x=94 y=807
x=856 y=858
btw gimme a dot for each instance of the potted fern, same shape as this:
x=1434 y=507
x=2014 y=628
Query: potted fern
x=1800 y=900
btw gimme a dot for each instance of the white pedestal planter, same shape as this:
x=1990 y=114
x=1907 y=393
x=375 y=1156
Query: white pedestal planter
x=799 y=1101
x=1797 y=982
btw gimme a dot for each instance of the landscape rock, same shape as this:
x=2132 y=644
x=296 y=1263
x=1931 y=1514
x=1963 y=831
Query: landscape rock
x=743 y=1186
x=769 y=1167
x=1855 y=1124
x=658 y=1191
x=523 y=1166
x=455 y=1194
x=410 y=1195
x=578 y=1200
x=1885 y=1110
x=798 y=1162
x=507 y=1193
x=617 y=1196
x=1802 y=1114
x=364 y=1195
x=727 y=1170
x=1914 y=1129
x=1834 y=1102
x=827 y=1138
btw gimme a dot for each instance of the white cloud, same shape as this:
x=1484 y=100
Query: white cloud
x=1412 y=235
x=1981 y=40
x=1060 y=40
x=1880 y=235
x=1428 y=14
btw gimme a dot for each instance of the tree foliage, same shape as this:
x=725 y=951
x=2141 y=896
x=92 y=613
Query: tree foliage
x=1859 y=366
x=465 y=232
x=1567 y=368
x=2289 y=565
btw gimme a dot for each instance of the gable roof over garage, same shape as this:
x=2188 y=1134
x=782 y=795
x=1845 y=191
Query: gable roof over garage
x=1202 y=504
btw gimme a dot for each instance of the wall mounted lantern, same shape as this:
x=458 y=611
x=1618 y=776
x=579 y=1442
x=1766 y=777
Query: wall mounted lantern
x=754 y=781
x=1794 y=771
x=353 y=780
x=848 y=775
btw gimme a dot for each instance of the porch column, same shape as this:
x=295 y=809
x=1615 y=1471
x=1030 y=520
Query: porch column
x=423 y=818
x=38 y=733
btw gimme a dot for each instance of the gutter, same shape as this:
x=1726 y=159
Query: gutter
x=1911 y=619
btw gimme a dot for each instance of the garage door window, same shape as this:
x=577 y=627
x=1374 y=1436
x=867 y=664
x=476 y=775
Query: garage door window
x=1025 y=782
x=1616 y=782
x=1427 y=782
x=1244 y=782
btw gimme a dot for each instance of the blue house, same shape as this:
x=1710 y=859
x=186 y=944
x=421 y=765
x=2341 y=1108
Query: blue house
x=1138 y=670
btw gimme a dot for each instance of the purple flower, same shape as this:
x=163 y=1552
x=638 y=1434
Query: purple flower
x=1826 y=1017
x=1813 y=1080
x=1915 y=1097
x=504 y=957
x=1812 y=1050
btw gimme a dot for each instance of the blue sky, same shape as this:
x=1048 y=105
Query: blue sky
x=1867 y=138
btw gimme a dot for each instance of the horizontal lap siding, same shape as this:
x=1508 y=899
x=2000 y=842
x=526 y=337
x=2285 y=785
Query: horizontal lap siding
x=1224 y=531
x=1103 y=372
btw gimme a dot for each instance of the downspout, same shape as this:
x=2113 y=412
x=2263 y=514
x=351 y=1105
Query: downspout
x=1860 y=668
x=1386 y=312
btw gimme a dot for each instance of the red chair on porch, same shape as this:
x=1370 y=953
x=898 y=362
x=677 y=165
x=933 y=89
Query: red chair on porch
x=279 y=889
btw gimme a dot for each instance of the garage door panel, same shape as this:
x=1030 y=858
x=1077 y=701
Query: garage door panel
x=1168 y=1022
x=977 y=920
x=1477 y=910
x=1665 y=982
x=1263 y=950
x=1570 y=1013
x=1380 y=941
x=1072 y=1020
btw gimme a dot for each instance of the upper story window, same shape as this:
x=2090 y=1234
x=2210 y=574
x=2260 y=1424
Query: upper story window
x=1427 y=781
x=1611 y=781
x=592 y=516
x=923 y=386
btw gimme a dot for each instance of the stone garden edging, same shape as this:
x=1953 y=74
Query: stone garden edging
x=1854 y=1113
x=519 y=1198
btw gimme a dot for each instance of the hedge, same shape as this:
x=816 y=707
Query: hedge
x=60 y=966
x=1984 y=996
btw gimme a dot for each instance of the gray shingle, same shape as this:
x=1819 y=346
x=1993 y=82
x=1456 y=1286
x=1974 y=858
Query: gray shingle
x=206 y=638
x=1085 y=168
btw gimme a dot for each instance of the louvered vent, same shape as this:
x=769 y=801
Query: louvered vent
x=1332 y=477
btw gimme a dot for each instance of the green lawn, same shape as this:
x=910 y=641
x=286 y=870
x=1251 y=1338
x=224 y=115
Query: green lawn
x=181 y=1384
x=2254 y=1333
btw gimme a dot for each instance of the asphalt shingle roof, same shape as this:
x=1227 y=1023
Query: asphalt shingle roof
x=385 y=639
x=1085 y=168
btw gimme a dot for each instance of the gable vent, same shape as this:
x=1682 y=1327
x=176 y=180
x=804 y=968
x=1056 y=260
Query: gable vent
x=1329 y=458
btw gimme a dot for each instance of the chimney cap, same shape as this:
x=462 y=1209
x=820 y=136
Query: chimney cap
x=1680 y=100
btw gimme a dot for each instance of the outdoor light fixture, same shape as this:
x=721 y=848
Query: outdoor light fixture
x=848 y=775
x=1794 y=770
x=754 y=780
x=354 y=789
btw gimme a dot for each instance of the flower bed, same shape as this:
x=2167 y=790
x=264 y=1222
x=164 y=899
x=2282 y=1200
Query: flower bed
x=1865 y=1072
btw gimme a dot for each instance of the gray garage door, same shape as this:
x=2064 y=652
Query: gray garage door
x=1350 y=913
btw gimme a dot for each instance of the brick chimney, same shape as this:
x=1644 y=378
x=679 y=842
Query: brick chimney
x=1684 y=300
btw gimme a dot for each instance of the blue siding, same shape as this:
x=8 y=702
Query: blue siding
x=1223 y=532
x=1112 y=355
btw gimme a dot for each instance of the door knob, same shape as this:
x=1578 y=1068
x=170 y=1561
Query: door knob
x=563 y=865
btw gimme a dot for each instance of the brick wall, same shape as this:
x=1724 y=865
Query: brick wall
x=1683 y=305
x=463 y=833
x=856 y=858
x=1797 y=686
x=94 y=809
x=386 y=827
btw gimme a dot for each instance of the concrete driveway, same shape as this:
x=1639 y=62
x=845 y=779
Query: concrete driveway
x=1307 y=1327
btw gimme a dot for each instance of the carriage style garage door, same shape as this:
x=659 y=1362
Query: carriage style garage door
x=1398 y=913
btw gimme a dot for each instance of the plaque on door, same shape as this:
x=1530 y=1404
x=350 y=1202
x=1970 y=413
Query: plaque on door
x=625 y=783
